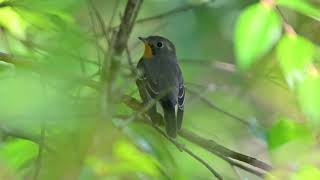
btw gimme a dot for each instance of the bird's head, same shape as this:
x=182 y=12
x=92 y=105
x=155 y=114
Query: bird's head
x=157 y=46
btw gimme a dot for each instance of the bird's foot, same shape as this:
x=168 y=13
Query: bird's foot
x=157 y=119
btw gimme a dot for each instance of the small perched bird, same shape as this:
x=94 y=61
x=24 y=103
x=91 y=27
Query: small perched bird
x=160 y=79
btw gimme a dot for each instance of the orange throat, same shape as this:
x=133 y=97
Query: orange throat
x=147 y=51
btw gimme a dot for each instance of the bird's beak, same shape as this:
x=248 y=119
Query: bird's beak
x=142 y=39
x=147 y=48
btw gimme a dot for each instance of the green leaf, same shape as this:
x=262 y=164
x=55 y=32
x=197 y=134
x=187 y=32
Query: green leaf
x=301 y=6
x=307 y=172
x=133 y=160
x=309 y=97
x=284 y=131
x=257 y=30
x=294 y=54
x=10 y=20
x=16 y=153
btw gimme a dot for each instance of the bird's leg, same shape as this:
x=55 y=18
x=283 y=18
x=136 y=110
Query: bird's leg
x=155 y=116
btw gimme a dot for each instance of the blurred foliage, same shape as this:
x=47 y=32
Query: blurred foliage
x=258 y=28
x=271 y=81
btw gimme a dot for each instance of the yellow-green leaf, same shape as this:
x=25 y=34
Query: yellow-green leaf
x=307 y=172
x=257 y=30
x=309 y=96
x=294 y=54
x=16 y=153
x=10 y=20
x=284 y=131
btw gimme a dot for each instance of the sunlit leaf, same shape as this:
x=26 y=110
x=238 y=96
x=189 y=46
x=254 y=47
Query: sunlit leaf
x=307 y=172
x=284 y=131
x=10 y=20
x=16 y=153
x=257 y=30
x=309 y=96
x=135 y=159
x=302 y=6
x=294 y=54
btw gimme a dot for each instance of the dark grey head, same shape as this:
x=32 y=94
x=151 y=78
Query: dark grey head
x=157 y=46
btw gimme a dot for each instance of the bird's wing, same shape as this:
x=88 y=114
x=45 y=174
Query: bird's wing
x=145 y=79
x=181 y=95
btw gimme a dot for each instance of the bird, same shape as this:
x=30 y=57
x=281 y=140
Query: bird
x=160 y=80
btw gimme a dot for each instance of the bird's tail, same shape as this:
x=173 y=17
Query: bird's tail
x=170 y=118
x=179 y=117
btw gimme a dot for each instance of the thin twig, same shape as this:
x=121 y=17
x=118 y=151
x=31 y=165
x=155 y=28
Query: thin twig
x=285 y=20
x=114 y=12
x=101 y=22
x=93 y=24
x=40 y=151
x=120 y=41
x=244 y=167
x=211 y=145
x=173 y=11
x=192 y=154
x=213 y=106
x=287 y=27
x=132 y=67
x=215 y=148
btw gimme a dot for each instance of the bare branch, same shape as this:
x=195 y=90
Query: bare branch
x=101 y=22
x=212 y=146
x=173 y=12
x=192 y=154
x=216 y=148
x=249 y=169
x=120 y=41
x=213 y=106
x=130 y=62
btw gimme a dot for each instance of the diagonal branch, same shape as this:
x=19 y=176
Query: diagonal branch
x=216 y=148
x=213 y=106
x=192 y=154
x=212 y=146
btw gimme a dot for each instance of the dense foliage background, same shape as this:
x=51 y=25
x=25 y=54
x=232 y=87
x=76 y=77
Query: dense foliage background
x=251 y=70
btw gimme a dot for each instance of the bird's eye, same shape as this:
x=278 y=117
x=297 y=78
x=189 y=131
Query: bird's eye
x=159 y=45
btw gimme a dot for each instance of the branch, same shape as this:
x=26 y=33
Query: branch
x=213 y=106
x=222 y=65
x=252 y=170
x=172 y=12
x=211 y=146
x=120 y=41
x=101 y=23
x=216 y=148
x=192 y=154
